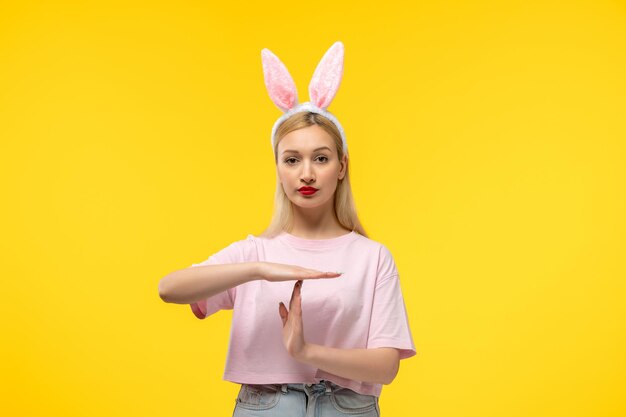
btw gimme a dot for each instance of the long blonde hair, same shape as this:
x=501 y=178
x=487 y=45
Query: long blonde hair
x=345 y=209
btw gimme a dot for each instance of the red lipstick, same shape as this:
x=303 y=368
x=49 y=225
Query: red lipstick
x=307 y=190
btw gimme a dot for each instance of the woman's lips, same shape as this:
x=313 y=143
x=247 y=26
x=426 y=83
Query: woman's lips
x=307 y=191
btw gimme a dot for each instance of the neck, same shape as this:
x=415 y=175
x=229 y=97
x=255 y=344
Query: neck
x=316 y=223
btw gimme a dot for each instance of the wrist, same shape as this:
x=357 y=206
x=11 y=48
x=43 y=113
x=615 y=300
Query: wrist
x=307 y=353
x=257 y=271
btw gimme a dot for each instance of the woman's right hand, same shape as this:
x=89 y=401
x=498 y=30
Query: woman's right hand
x=275 y=272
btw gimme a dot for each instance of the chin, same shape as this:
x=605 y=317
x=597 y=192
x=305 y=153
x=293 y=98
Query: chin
x=305 y=202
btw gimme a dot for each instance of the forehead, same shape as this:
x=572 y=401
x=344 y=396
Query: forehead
x=306 y=140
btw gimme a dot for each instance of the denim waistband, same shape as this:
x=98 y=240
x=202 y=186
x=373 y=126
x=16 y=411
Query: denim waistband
x=320 y=387
x=323 y=386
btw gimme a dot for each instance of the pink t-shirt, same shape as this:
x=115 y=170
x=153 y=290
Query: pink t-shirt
x=363 y=308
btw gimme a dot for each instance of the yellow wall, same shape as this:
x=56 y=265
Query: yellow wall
x=487 y=146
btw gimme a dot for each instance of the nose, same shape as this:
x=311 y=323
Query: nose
x=307 y=175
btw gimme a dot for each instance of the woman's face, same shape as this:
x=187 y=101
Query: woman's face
x=307 y=157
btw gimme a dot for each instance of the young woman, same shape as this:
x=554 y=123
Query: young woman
x=340 y=339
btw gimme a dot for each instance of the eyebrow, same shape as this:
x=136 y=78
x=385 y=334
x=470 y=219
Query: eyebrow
x=314 y=150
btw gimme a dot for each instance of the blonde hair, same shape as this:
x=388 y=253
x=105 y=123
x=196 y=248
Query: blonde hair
x=345 y=209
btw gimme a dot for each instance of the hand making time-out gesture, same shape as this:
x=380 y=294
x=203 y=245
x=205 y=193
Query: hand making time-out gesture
x=293 y=332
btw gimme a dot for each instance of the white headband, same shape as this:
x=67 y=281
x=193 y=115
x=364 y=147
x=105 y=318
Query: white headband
x=322 y=88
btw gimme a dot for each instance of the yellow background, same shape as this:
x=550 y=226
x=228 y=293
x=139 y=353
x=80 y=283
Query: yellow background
x=487 y=146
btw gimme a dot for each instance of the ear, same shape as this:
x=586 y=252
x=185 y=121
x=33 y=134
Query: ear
x=344 y=166
x=278 y=81
x=327 y=76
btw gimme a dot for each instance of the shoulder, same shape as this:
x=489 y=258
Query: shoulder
x=246 y=248
x=374 y=245
x=241 y=250
x=386 y=265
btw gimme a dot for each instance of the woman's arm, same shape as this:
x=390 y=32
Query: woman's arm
x=193 y=284
x=378 y=365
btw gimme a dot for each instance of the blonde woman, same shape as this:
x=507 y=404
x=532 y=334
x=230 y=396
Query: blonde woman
x=332 y=345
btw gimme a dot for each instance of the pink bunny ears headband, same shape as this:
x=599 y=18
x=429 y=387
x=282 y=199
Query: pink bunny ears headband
x=322 y=88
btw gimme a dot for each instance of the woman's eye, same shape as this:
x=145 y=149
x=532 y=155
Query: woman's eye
x=291 y=161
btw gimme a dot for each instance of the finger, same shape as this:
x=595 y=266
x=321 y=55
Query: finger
x=297 y=308
x=297 y=292
x=293 y=295
x=323 y=274
x=284 y=314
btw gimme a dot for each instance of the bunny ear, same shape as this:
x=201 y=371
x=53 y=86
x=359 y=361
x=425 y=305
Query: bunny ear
x=278 y=81
x=327 y=76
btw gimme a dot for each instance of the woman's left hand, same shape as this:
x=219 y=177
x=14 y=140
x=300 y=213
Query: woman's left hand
x=293 y=331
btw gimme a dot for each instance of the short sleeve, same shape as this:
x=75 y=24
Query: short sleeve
x=389 y=324
x=236 y=252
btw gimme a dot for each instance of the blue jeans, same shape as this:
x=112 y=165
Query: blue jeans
x=325 y=399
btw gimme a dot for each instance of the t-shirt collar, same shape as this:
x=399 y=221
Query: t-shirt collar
x=302 y=243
